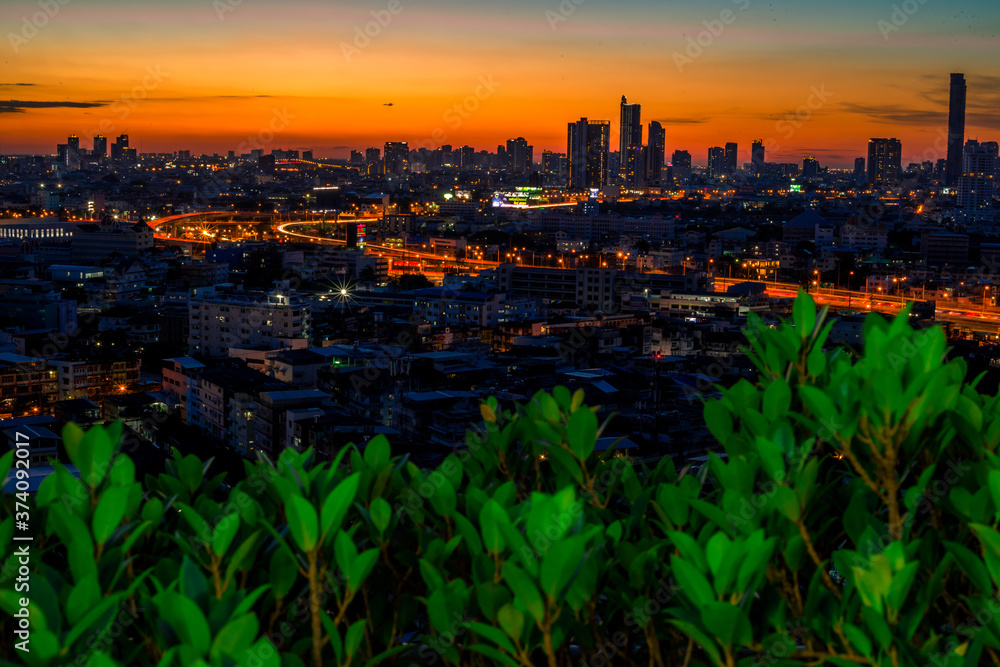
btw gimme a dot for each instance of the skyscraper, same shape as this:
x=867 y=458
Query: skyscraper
x=757 y=157
x=885 y=161
x=859 y=170
x=655 y=152
x=732 y=152
x=397 y=158
x=681 y=165
x=977 y=185
x=716 y=162
x=634 y=166
x=587 y=147
x=810 y=167
x=518 y=156
x=956 y=129
x=100 y=146
x=631 y=131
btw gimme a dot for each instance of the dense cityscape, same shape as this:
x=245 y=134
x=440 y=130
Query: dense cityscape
x=268 y=299
x=530 y=334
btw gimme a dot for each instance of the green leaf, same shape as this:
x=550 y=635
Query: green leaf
x=582 y=432
x=490 y=519
x=123 y=471
x=377 y=452
x=509 y=614
x=819 y=404
x=858 y=639
x=512 y=622
x=361 y=568
x=524 y=590
x=971 y=565
x=559 y=564
x=261 y=654
x=719 y=421
x=355 y=635
x=696 y=586
x=224 y=533
x=186 y=619
x=283 y=572
x=6 y=463
x=727 y=622
x=804 y=314
x=83 y=598
x=234 y=638
x=381 y=514
x=302 y=522
x=109 y=513
x=777 y=400
x=338 y=502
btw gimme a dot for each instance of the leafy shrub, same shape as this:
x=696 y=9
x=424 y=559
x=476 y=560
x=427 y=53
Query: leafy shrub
x=852 y=521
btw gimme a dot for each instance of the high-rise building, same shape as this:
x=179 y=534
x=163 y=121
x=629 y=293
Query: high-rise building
x=73 y=142
x=956 y=129
x=373 y=155
x=859 y=170
x=100 y=146
x=810 y=167
x=716 y=162
x=732 y=153
x=466 y=158
x=397 y=158
x=631 y=132
x=757 y=157
x=634 y=166
x=681 y=165
x=357 y=158
x=518 y=156
x=885 y=161
x=978 y=184
x=587 y=146
x=655 y=152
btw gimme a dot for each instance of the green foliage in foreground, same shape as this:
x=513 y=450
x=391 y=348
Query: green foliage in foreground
x=853 y=522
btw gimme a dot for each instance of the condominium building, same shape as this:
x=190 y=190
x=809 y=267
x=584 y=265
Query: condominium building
x=219 y=321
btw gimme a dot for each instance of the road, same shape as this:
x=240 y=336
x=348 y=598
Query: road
x=962 y=315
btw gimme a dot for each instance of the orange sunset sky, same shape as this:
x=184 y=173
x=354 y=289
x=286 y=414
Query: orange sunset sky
x=808 y=77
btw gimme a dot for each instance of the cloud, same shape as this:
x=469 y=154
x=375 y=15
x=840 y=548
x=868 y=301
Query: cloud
x=11 y=85
x=680 y=121
x=18 y=106
x=893 y=114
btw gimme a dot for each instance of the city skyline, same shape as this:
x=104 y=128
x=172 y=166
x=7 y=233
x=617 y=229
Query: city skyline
x=813 y=80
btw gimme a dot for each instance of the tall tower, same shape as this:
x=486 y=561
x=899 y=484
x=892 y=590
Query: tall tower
x=100 y=146
x=397 y=158
x=716 y=161
x=732 y=151
x=757 y=157
x=631 y=131
x=656 y=152
x=956 y=129
x=587 y=145
x=885 y=159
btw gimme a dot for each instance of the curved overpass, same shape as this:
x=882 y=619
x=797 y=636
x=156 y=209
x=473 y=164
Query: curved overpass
x=385 y=251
